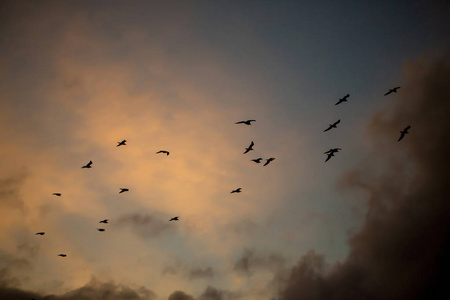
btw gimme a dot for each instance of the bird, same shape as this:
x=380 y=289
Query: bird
x=104 y=221
x=57 y=194
x=268 y=161
x=333 y=125
x=257 y=160
x=331 y=152
x=62 y=255
x=238 y=190
x=40 y=233
x=174 y=219
x=88 y=165
x=394 y=90
x=249 y=147
x=403 y=132
x=122 y=143
x=248 y=122
x=344 y=99
x=122 y=190
x=100 y=229
x=163 y=151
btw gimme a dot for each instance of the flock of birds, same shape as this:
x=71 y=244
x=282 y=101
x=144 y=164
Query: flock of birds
x=330 y=153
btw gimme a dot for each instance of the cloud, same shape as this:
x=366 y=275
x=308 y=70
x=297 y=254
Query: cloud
x=198 y=273
x=179 y=295
x=145 y=225
x=402 y=250
x=251 y=261
x=94 y=290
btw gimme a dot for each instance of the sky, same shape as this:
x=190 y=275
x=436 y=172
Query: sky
x=77 y=77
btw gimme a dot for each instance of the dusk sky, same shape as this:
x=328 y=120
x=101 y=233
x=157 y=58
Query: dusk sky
x=77 y=77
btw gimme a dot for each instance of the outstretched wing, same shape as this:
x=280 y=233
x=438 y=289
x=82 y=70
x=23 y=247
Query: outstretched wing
x=337 y=122
x=241 y=122
x=401 y=136
x=327 y=129
x=390 y=91
x=89 y=163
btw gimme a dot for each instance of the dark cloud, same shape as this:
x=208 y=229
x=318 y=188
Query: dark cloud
x=179 y=295
x=145 y=225
x=212 y=293
x=197 y=273
x=94 y=290
x=251 y=261
x=9 y=192
x=403 y=248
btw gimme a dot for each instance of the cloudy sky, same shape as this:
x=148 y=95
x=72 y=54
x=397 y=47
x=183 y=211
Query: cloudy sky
x=79 y=76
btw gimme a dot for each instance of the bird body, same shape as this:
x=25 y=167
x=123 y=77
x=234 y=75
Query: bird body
x=100 y=229
x=174 y=219
x=163 y=151
x=123 y=190
x=88 y=165
x=57 y=194
x=122 y=143
x=268 y=161
x=394 y=90
x=40 y=233
x=238 y=190
x=249 y=147
x=331 y=152
x=105 y=221
x=248 y=122
x=62 y=255
x=403 y=133
x=257 y=160
x=333 y=125
x=343 y=99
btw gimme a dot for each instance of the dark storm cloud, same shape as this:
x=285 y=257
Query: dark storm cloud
x=94 y=290
x=251 y=261
x=403 y=248
x=145 y=225
x=179 y=295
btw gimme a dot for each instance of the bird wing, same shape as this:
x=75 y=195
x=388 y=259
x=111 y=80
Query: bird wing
x=327 y=129
x=251 y=145
x=337 y=122
x=241 y=122
x=89 y=163
x=396 y=88
x=346 y=96
x=401 y=136
x=267 y=162
x=390 y=91
x=340 y=101
x=251 y=120
x=329 y=156
x=246 y=150
x=408 y=127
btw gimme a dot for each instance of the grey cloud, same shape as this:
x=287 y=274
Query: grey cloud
x=179 y=295
x=145 y=225
x=197 y=273
x=9 y=192
x=212 y=293
x=251 y=261
x=402 y=250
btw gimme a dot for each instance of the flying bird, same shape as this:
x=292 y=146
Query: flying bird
x=104 y=221
x=122 y=190
x=163 y=151
x=249 y=147
x=174 y=219
x=57 y=194
x=403 y=132
x=122 y=143
x=40 y=233
x=100 y=229
x=238 y=190
x=268 y=161
x=331 y=152
x=344 y=99
x=257 y=160
x=248 y=122
x=394 y=90
x=333 y=125
x=88 y=165
x=62 y=255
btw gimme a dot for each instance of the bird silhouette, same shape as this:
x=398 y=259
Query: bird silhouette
x=403 y=132
x=257 y=160
x=123 y=190
x=62 y=255
x=105 y=221
x=268 y=161
x=57 y=194
x=40 y=233
x=249 y=147
x=238 y=190
x=394 y=90
x=174 y=219
x=331 y=152
x=333 y=125
x=122 y=143
x=100 y=229
x=344 y=99
x=248 y=122
x=163 y=151
x=88 y=165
